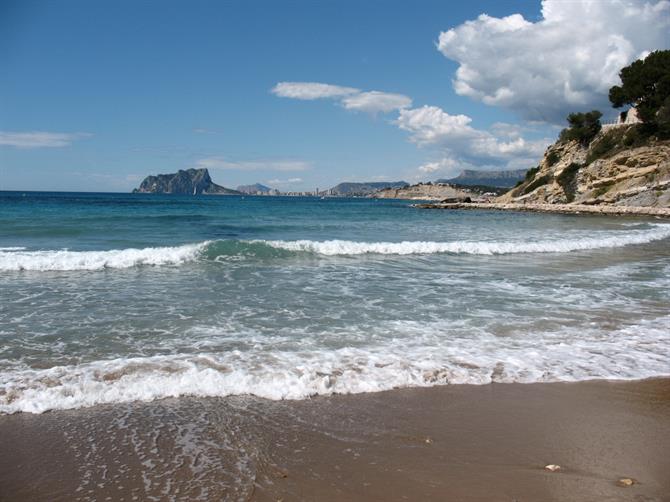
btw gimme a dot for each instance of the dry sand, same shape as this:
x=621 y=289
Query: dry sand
x=461 y=442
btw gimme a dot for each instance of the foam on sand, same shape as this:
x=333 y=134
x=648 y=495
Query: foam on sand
x=429 y=358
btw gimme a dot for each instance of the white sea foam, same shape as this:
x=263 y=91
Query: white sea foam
x=17 y=258
x=97 y=260
x=424 y=359
x=342 y=247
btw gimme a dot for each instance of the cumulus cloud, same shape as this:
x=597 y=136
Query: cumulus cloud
x=349 y=97
x=39 y=139
x=432 y=126
x=255 y=165
x=311 y=90
x=445 y=164
x=566 y=61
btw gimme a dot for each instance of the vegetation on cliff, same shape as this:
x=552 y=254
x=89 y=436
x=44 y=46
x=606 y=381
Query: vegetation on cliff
x=623 y=164
x=646 y=85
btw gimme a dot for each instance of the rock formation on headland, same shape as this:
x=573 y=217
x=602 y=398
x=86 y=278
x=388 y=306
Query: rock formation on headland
x=622 y=164
x=617 y=167
x=189 y=182
x=427 y=191
x=362 y=189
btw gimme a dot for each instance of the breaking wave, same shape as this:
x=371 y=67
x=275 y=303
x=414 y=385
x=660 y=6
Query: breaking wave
x=632 y=352
x=64 y=260
x=98 y=260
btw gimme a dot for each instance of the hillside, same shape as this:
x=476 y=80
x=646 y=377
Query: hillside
x=254 y=189
x=426 y=191
x=350 y=189
x=619 y=167
x=189 y=182
x=499 y=179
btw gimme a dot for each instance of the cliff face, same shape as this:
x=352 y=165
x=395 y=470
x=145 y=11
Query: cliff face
x=424 y=192
x=607 y=171
x=189 y=182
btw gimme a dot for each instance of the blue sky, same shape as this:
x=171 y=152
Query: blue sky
x=96 y=95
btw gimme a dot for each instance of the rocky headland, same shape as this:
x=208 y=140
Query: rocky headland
x=616 y=168
x=188 y=182
x=362 y=189
x=429 y=191
x=621 y=170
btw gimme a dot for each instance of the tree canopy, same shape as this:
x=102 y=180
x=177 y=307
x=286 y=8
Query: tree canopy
x=583 y=127
x=645 y=84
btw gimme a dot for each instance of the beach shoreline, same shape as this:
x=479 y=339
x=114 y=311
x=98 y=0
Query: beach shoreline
x=663 y=212
x=454 y=442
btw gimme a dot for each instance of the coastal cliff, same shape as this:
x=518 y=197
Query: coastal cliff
x=189 y=182
x=427 y=191
x=617 y=167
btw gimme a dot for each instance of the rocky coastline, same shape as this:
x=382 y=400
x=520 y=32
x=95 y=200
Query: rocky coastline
x=663 y=212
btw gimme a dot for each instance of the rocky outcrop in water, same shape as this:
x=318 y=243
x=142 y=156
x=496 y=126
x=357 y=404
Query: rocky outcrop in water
x=189 y=182
x=618 y=167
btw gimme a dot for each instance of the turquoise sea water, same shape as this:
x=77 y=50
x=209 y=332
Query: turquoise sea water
x=110 y=298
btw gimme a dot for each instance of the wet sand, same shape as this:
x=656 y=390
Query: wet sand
x=461 y=442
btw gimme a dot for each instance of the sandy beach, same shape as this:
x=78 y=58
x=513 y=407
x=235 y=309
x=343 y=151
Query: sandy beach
x=460 y=442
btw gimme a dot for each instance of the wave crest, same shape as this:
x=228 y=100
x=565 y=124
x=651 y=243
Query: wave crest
x=63 y=260
x=349 y=248
x=16 y=258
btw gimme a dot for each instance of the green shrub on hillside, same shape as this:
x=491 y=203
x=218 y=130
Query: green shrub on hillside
x=606 y=144
x=542 y=180
x=567 y=180
x=530 y=174
x=552 y=158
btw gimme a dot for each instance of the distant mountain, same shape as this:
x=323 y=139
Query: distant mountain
x=504 y=179
x=254 y=189
x=366 y=188
x=189 y=182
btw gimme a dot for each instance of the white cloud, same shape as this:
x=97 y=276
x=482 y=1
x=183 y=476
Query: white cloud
x=565 y=62
x=430 y=125
x=376 y=101
x=311 y=90
x=349 y=97
x=39 y=139
x=461 y=146
x=284 y=182
x=442 y=165
x=255 y=165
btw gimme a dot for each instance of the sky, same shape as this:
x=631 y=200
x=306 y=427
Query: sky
x=94 y=96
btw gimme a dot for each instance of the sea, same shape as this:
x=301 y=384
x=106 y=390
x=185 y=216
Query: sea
x=119 y=298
